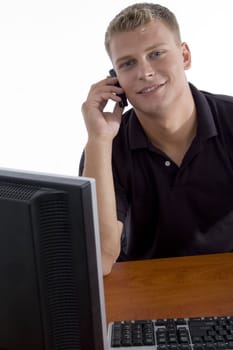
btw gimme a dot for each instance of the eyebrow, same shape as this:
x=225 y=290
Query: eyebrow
x=153 y=47
x=124 y=58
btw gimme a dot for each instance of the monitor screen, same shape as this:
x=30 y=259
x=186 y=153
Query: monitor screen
x=51 y=284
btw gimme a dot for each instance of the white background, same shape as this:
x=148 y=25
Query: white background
x=51 y=51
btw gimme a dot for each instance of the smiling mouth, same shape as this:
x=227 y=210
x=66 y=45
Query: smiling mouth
x=151 y=88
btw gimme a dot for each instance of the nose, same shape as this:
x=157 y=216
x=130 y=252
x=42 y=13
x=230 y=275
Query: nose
x=145 y=70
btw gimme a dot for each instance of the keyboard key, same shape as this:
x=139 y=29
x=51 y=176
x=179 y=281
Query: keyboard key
x=210 y=333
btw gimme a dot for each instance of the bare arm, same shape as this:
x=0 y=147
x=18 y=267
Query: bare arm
x=102 y=127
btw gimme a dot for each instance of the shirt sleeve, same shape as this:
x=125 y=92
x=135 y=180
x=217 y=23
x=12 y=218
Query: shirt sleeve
x=120 y=193
x=121 y=199
x=81 y=164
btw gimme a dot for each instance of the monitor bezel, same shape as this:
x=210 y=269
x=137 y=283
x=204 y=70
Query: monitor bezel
x=57 y=181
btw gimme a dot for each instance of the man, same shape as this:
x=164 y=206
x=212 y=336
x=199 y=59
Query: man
x=163 y=170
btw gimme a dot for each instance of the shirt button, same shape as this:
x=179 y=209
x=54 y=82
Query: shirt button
x=167 y=163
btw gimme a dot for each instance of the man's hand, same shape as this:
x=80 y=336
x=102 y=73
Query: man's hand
x=102 y=124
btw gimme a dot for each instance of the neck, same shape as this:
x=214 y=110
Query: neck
x=174 y=130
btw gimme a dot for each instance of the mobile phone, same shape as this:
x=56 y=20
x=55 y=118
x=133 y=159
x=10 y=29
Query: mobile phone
x=123 y=103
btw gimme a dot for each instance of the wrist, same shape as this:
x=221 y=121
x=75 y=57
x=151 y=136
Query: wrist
x=99 y=141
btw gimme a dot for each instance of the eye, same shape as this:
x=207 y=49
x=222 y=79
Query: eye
x=155 y=54
x=127 y=63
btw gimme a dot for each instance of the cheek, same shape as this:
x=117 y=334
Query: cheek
x=127 y=84
x=172 y=65
x=175 y=63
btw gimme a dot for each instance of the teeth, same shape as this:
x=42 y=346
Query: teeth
x=149 y=89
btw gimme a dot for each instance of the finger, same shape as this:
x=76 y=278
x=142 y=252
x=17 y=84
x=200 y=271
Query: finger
x=118 y=110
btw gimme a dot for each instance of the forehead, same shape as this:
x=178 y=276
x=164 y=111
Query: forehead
x=154 y=34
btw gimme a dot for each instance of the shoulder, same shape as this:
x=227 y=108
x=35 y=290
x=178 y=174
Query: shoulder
x=219 y=101
x=216 y=107
x=121 y=141
x=221 y=107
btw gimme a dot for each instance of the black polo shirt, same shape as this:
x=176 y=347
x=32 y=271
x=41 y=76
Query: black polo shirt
x=169 y=210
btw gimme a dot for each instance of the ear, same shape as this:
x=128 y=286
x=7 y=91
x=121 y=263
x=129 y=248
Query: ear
x=186 y=53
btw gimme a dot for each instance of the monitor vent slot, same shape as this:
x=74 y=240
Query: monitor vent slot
x=62 y=298
x=17 y=191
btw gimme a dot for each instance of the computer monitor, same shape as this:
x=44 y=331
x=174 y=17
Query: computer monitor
x=51 y=284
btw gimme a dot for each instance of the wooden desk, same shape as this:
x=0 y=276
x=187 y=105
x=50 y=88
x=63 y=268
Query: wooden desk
x=174 y=287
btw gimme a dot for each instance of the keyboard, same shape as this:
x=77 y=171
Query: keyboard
x=205 y=333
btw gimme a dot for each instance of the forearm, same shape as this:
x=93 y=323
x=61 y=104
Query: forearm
x=102 y=127
x=98 y=164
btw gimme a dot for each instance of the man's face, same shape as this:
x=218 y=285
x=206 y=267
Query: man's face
x=150 y=64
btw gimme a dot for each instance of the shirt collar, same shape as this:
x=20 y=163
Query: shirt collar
x=206 y=126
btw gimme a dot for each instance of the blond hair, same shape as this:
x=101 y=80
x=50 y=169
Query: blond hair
x=140 y=14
